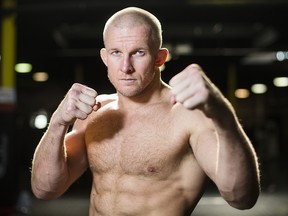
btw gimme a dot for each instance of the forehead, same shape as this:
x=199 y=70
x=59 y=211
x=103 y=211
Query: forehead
x=137 y=34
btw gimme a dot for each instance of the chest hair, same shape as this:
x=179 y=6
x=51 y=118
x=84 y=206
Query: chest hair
x=146 y=142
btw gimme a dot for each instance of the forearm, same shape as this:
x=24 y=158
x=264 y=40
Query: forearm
x=49 y=168
x=54 y=167
x=237 y=175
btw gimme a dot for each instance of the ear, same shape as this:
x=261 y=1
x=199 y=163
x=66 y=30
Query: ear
x=103 y=54
x=161 y=57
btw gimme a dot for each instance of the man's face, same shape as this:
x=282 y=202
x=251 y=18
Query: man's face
x=130 y=59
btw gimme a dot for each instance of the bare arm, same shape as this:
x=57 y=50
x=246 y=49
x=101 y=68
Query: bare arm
x=60 y=158
x=221 y=146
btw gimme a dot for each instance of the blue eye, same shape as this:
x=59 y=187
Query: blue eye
x=115 y=52
x=140 y=52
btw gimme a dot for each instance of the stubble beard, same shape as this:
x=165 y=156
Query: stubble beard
x=131 y=91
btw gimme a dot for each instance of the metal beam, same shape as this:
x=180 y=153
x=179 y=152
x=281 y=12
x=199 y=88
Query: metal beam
x=8 y=46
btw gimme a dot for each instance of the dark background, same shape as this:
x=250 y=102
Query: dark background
x=64 y=37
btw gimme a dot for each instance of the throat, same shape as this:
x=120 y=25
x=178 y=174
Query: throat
x=157 y=96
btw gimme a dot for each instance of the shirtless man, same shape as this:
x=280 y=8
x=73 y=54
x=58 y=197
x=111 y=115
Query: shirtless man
x=150 y=146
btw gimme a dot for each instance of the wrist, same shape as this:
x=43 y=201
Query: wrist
x=220 y=110
x=58 y=123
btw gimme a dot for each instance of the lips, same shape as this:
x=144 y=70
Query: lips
x=127 y=81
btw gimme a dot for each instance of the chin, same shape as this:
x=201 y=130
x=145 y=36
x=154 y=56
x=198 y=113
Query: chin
x=130 y=93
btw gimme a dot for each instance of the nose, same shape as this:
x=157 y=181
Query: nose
x=127 y=66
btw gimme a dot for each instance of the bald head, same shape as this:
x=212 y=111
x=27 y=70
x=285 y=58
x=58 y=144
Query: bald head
x=134 y=17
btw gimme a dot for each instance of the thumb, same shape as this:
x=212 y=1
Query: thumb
x=96 y=106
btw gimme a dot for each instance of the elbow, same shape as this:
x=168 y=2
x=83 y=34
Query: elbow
x=43 y=194
x=47 y=190
x=243 y=204
x=242 y=200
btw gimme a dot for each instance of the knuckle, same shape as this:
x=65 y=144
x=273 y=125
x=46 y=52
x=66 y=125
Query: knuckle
x=187 y=104
x=179 y=98
x=192 y=67
x=195 y=66
x=89 y=109
x=81 y=115
x=76 y=85
x=72 y=93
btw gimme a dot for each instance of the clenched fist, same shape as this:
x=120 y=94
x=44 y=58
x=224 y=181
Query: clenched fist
x=189 y=87
x=78 y=103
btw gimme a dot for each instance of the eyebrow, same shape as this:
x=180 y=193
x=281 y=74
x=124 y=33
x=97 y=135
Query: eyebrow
x=133 y=50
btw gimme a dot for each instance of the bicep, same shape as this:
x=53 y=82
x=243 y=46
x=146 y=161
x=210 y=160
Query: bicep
x=204 y=143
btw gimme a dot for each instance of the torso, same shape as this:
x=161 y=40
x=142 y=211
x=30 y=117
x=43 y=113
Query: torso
x=142 y=162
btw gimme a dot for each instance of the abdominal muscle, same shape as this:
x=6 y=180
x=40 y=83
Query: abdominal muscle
x=138 y=170
x=121 y=194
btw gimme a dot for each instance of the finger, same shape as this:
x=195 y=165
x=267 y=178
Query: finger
x=177 y=79
x=197 y=85
x=87 y=99
x=83 y=107
x=80 y=114
x=97 y=106
x=196 y=101
x=180 y=86
x=187 y=87
x=185 y=94
x=79 y=88
x=76 y=110
x=88 y=91
x=183 y=74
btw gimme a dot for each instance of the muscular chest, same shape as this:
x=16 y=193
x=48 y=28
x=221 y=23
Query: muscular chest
x=141 y=144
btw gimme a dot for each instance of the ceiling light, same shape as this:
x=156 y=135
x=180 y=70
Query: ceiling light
x=242 y=93
x=40 y=77
x=23 y=68
x=259 y=88
x=183 y=49
x=280 y=81
x=39 y=120
x=280 y=56
x=260 y=58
